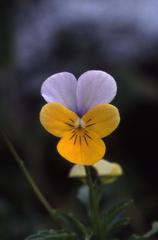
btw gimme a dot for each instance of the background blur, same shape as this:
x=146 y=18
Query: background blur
x=40 y=38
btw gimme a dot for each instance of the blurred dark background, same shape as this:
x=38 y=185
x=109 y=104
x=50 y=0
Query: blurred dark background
x=40 y=38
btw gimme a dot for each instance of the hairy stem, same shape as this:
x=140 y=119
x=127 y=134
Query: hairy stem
x=52 y=212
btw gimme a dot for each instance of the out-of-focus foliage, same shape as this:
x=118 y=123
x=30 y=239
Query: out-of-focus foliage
x=147 y=235
x=52 y=234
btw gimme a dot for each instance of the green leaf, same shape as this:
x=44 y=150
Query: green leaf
x=119 y=224
x=111 y=217
x=52 y=235
x=147 y=235
x=74 y=224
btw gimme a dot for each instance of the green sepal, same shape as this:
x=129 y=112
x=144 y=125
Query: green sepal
x=147 y=235
x=53 y=235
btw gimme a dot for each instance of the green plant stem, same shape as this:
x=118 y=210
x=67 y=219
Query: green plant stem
x=52 y=212
x=94 y=204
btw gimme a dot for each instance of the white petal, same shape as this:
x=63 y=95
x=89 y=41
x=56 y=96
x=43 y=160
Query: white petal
x=94 y=87
x=103 y=167
x=77 y=171
x=61 y=88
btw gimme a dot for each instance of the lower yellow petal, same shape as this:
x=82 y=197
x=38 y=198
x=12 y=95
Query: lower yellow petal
x=81 y=148
x=57 y=119
x=103 y=119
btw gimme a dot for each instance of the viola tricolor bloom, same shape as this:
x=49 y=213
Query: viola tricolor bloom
x=78 y=111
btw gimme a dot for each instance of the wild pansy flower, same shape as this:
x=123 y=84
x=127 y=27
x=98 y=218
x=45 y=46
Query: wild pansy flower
x=80 y=114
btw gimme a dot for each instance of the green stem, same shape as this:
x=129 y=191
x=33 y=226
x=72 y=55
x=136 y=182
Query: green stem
x=94 y=204
x=52 y=212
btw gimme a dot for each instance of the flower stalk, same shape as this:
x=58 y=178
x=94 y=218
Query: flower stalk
x=94 y=207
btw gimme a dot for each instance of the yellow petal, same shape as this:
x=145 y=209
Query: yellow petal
x=81 y=147
x=102 y=119
x=57 y=119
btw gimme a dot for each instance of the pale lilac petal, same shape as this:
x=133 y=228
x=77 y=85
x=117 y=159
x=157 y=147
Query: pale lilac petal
x=94 y=87
x=61 y=88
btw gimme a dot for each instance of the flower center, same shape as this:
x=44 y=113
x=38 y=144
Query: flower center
x=79 y=132
x=79 y=123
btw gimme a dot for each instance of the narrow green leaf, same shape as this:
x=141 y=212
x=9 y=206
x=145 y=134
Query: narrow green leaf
x=77 y=226
x=112 y=214
x=147 y=235
x=119 y=224
x=153 y=230
x=53 y=235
